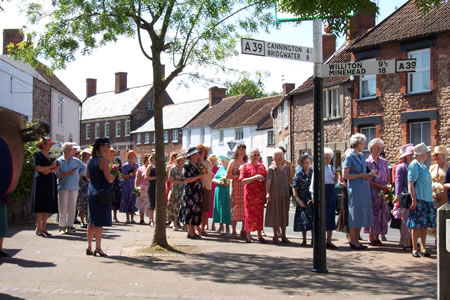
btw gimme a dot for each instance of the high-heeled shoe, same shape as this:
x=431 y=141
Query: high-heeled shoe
x=360 y=247
x=89 y=251
x=39 y=233
x=46 y=233
x=99 y=252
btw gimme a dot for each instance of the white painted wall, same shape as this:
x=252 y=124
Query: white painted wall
x=16 y=90
x=70 y=121
x=195 y=137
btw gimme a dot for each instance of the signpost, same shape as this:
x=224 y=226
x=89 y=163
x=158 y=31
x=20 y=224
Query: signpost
x=276 y=50
x=369 y=67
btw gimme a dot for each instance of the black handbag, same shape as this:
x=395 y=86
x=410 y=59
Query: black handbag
x=405 y=200
x=106 y=196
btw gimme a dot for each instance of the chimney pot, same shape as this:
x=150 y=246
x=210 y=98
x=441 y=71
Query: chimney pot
x=121 y=82
x=91 y=87
x=328 y=44
x=11 y=36
x=360 y=23
x=216 y=94
x=287 y=88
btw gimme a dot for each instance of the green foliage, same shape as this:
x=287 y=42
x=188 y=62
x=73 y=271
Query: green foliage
x=23 y=190
x=244 y=85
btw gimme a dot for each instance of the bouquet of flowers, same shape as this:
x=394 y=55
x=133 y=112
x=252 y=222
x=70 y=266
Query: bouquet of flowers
x=374 y=174
x=437 y=188
x=202 y=168
x=387 y=193
x=396 y=211
x=137 y=191
x=114 y=169
x=223 y=180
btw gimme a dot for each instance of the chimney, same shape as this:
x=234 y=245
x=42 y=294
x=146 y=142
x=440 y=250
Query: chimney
x=91 y=87
x=360 y=24
x=121 y=82
x=216 y=94
x=328 y=44
x=287 y=88
x=11 y=36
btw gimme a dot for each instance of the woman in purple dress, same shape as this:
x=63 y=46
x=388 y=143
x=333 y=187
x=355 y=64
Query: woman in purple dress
x=128 y=201
x=380 y=208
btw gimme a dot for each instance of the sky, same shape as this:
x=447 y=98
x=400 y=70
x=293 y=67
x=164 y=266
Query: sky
x=126 y=56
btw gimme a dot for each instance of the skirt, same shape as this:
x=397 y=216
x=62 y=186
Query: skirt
x=206 y=203
x=330 y=207
x=3 y=218
x=422 y=216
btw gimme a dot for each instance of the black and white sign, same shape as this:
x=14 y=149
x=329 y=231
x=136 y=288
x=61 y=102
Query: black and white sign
x=276 y=50
x=369 y=67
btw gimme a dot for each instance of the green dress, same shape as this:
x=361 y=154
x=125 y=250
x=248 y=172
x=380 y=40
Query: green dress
x=175 y=194
x=222 y=212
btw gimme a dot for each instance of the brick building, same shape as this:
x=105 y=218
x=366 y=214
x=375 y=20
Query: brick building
x=406 y=107
x=117 y=113
x=175 y=117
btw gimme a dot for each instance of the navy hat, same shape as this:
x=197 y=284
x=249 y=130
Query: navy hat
x=101 y=141
x=192 y=151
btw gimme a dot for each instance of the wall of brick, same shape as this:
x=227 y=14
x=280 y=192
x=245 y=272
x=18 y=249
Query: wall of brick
x=42 y=101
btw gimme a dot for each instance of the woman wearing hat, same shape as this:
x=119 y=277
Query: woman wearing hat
x=128 y=201
x=176 y=190
x=438 y=171
x=421 y=215
x=82 y=191
x=100 y=178
x=221 y=211
x=191 y=206
x=401 y=185
x=44 y=191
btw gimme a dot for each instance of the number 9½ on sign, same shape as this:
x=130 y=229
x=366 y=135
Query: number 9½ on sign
x=253 y=47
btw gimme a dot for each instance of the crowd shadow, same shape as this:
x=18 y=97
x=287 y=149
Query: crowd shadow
x=9 y=297
x=24 y=263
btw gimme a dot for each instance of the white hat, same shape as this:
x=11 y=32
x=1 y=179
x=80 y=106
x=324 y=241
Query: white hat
x=86 y=150
x=421 y=149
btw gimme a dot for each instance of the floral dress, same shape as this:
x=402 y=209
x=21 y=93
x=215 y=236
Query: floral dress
x=254 y=196
x=237 y=196
x=128 y=201
x=175 y=194
x=191 y=206
x=303 y=215
x=82 y=200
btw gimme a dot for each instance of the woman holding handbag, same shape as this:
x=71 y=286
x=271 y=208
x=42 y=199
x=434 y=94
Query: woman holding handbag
x=100 y=178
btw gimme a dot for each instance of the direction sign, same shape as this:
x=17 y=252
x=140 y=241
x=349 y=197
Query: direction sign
x=276 y=50
x=369 y=67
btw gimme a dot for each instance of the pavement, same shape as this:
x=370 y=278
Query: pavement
x=215 y=267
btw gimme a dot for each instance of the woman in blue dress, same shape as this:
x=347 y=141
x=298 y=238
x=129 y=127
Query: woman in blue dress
x=359 y=200
x=128 y=201
x=222 y=209
x=100 y=178
x=304 y=204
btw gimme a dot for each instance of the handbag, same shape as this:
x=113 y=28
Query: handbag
x=396 y=223
x=405 y=199
x=105 y=196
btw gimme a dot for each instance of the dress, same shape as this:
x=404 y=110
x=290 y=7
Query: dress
x=99 y=214
x=254 y=196
x=142 y=199
x=401 y=184
x=277 y=213
x=44 y=190
x=438 y=175
x=221 y=210
x=303 y=215
x=152 y=190
x=359 y=202
x=128 y=201
x=191 y=206
x=237 y=195
x=380 y=209
x=116 y=188
x=168 y=184
x=82 y=194
x=175 y=194
x=213 y=190
x=342 y=222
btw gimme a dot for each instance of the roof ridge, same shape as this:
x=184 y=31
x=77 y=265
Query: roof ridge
x=189 y=101
x=266 y=97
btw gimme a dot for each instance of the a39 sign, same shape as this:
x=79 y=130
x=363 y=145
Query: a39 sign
x=276 y=50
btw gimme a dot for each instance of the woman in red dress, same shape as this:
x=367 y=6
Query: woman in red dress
x=253 y=175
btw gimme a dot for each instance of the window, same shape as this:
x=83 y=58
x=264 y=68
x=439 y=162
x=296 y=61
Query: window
x=419 y=81
x=370 y=134
x=88 y=131
x=332 y=103
x=286 y=113
x=175 y=136
x=279 y=118
x=188 y=137
x=60 y=110
x=269 y=160
x=107 y=129
x=239 y=134
x=202 y=135
x=420 y=132
x=118 y=129
x=166 y=136
x=368 y=84
x=270 y=138
x=97 y=130
x=138 y=138
x=221 y=136
x=153 y=137
x=148 y=105
x=147 y=138
x=127 y=127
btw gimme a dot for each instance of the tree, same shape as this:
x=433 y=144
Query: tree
x=190 y=32
x=244 y=85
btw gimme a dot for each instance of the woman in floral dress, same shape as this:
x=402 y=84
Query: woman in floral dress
x=172 y=162
x=253 y=177
x=191 y=206
x=82 y=200
x=304 y=204
x=140 y=182
x=176 y=190
x=237 y=189
x=128 y=201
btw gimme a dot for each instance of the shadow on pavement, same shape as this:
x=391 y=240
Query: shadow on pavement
x=25 y=263
x=9 y=297
x=289 y=275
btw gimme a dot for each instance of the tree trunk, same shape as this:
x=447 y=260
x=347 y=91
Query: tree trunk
x=159 y=236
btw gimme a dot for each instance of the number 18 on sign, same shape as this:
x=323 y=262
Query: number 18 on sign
x=369 y=67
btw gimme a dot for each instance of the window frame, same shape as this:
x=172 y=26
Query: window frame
x=107 y=129
x=367 y=78
x=286 y=113
x=97 y=130
x=331 y=103
x=147 y=138
x=188 y=137
x=221 y=136
x=127 y=127
x=138 y=139
x=166 y=136
x=148 y=105
x=202 y=135
x=88 y=132
x=366 y=151
x=279 y=118
x=419 y=71
x=118 y=128
x=175 y=136
x=240 y=130
x=270 y=138
x=60 y=110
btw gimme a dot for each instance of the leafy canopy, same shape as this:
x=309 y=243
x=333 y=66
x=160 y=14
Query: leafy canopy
x=244 y=85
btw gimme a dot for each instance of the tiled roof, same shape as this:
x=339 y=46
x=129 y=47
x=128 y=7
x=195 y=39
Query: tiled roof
x=176 y=115
x=268 y=123
x=110 y=104
x=407 y=23
x=252 y=112
x=213 y=113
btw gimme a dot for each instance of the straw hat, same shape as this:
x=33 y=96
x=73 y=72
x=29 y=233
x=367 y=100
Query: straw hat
x=421 y=149
x=406 y=150
x=129 y=153
x=86 y=150
x=181 y=155
x=439 y=149
x=111 y=149
x=44 y=141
